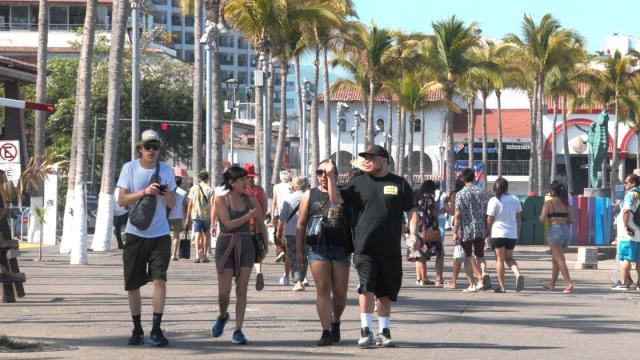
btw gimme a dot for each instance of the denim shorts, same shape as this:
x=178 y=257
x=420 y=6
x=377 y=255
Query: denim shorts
x=629 y=250
x=558 y=234
x=201 y=225
x=335 y=254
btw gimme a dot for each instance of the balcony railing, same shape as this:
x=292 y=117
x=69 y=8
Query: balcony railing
x=509 y=167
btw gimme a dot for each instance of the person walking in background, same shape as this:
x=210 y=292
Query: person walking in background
x=559 y=215
x=430 y=234
x=147 y=251
x=503 y=223
x=451 y=208
x=176 y=217
x=378 y=200
x=628 y=233
x=120 y=217
x=470 y=230
x=256 y=191
x=199 y=211
x=288 y=213
x=280 y=192
x=235 y=251
x=441 y=202
x=327 y=253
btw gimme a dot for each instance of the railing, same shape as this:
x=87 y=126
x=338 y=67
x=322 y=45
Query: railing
x=509 y=167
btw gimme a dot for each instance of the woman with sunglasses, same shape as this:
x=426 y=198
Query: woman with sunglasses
x=327 y=254
x=235 y=255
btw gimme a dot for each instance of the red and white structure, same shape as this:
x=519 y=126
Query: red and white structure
x=21 y=104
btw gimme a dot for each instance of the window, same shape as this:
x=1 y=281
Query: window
x=5 y=12
x=276 y=96
x=33 y=18
x=290 y=84
x=226 y=75
x=417 y=125
x=159 y=19
x=176 y=20
x=160 y=2
x=188 y=55
x=242 y=42
x=253 y=60
x=342 y=123
x=175 y=3
x=188 y=21
x=58 y=18
x=380 y=124
x=242 y=77
x=226 y=58
x=176 y=37
x=225 y=41
x=242 y=59
x=76 y=16
x=188 y=38
x=20 y=17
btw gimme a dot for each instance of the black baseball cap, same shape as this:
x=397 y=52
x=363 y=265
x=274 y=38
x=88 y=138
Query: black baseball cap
x=375 y=150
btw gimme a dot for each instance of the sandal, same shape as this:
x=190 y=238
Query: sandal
x=470 y=289
x=205 y=260
x=499 y=290
x=428 y=282
x=568 y=290
x=439 y=283
x=548 y=288
x=449 y=285
x=197 y=261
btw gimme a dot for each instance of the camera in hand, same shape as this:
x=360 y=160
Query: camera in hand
x=162 y=188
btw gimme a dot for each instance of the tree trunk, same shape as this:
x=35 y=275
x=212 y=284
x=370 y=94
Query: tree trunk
x=422 y=145
x=196 y=157
x=533 y=160
x=400 y=141
x=313 y=126
x=67 y=226
x=370 y=135
x=282 y=129
x=104 y=225
x=270 y=109
x=412 y=124
x=498 y=95
x=327 y=109
x=614 y=165
x=83 y=109
x=217 y=140
x=485 y=170
x=471 y=130
x=554 y=141
x=542 y=183
x=388 y=140
x=565 y=141
x=450 y=157
x=302 y=137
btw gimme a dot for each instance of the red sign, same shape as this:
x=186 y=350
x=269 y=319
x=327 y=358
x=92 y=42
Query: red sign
x=8 y=152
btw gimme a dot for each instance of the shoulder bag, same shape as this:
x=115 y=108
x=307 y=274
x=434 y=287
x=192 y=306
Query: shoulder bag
x=141 y=215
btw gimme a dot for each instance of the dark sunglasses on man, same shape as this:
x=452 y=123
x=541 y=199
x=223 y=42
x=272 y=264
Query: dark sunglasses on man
x=151 y=146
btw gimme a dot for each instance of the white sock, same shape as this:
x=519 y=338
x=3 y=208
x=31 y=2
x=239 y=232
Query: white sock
x=383 y=322
x=366 y=320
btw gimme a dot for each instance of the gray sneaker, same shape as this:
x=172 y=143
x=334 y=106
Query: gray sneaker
x=384 y=339
x=366 y=340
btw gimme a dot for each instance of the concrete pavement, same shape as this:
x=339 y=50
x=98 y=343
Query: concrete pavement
x=84 y=310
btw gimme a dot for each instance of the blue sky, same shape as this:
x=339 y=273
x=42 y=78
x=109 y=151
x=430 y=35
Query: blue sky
x=595 y=20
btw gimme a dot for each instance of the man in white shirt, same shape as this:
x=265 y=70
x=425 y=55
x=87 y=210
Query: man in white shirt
x=628 y=233
x=147 y=251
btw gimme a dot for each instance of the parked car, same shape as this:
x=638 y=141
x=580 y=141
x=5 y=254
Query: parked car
x=20 y=218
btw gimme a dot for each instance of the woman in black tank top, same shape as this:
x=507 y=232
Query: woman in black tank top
x=327 y=254
x=235 y=252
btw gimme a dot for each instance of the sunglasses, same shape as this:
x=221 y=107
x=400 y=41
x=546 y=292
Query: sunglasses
x=321 y=172
x=148 y=146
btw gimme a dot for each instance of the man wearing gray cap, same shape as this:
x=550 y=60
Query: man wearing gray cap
x=147 y=251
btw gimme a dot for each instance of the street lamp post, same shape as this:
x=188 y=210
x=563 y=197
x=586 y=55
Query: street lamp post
x=442 y=150
x=308 y=91
x=135 y=74
x=342 y=108
x=354 y=130
x=232 y=86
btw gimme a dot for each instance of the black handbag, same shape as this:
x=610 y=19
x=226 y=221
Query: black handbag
x=314 y=231
x=141 y=215
x=257 y=236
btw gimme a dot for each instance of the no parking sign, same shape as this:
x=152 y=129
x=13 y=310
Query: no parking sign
x=10 y=160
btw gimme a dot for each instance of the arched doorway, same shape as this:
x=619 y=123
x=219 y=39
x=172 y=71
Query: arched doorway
x=415 y=163
x=345 y=160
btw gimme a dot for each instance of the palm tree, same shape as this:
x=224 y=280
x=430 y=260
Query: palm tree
x=214 y=16
x=448 y=55
x=543 y=46
x=103 y=232
x=83 y=107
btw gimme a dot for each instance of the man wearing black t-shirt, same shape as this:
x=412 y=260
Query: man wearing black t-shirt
x=377 y=200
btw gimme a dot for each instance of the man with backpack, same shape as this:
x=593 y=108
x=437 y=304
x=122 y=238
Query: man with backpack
x=199 y=211
x=147 y=247
x=628 y=229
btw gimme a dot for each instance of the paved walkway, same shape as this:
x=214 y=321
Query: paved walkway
x=84 y=309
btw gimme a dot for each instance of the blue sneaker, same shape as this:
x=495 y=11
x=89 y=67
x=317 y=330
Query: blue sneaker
x=158 y=339
x=137 y=338
x=238 y=338
x=218 y=326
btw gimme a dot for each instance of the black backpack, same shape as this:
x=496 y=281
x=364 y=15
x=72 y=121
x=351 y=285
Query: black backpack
x=636 y=213
x=142 y=213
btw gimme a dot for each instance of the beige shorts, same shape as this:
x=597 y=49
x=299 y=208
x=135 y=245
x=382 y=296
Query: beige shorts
x=176 y=225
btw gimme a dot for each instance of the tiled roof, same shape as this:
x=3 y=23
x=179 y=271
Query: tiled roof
x=582 y=90
x=352 y=94
x=33 y=49
x=515 y=124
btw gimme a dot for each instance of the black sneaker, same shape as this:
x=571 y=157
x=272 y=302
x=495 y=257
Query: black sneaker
x=158 y=339
x=335 y=332
x=325 y=339
x=137 y=338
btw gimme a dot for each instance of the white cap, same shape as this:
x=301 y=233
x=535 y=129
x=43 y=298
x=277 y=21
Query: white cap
x=149 y=135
